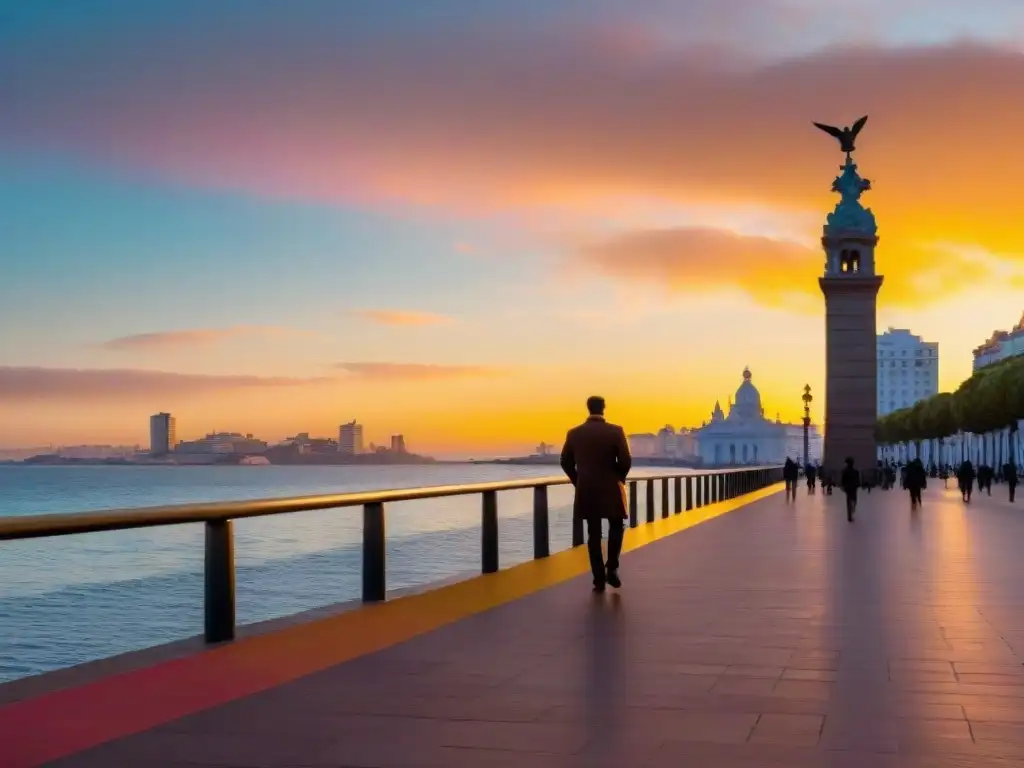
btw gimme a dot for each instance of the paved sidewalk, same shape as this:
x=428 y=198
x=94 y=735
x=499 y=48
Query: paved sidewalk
x=775 y=635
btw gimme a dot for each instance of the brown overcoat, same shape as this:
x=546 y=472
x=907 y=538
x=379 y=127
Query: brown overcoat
x=596 y=458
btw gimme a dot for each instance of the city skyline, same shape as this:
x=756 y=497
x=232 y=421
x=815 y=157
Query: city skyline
x=625 y=209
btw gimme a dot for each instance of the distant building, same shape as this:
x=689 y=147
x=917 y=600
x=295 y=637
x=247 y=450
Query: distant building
x=544 y=449
x=643 y=445
x=304 y=444
x=350 y=438
x=686 y=444
x=666 y=441
x=1001 y=345
x=98 y=451
x=398 y=443
x=745 y=436
x=163 y=434
x=224 y=443
x=908 y=369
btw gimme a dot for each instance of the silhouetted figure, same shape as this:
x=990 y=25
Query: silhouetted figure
x=850 y=483
x=917 y=480
x=596 y=459
x=965 y=479
x=985 y=478
x=811 y=473
x=790 y=473
x=1010 y=475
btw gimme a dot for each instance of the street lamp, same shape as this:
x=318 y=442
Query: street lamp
x=807 y=398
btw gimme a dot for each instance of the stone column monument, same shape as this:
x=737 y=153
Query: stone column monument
x=851 y=288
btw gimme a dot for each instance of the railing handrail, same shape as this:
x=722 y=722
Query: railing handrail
x=701 y=488
x=63 y=524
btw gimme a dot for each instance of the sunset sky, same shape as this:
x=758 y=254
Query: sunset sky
x=456 y=219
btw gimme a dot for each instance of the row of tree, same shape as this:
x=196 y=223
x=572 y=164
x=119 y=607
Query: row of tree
x=989 y=401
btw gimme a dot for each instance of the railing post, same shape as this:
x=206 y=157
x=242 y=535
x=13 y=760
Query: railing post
x=678 y=506
x=541 y=545
x=716 y=488
x=219 y=581
x=689 y=494
x=705 y=493
x=664 y=497
x=374 y=553
x=633 y=521
x=650 y=501
x=489 y=532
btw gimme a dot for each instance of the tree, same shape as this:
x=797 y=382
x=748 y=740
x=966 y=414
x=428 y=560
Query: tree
x=992 y=399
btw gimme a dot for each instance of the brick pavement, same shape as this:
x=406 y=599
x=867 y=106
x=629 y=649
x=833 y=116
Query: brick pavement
x=776 y=635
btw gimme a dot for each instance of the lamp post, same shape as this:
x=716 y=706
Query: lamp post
x=807 y=398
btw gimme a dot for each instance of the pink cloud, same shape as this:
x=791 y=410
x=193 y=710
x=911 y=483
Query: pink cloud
x=23 y=384
x=142 y=342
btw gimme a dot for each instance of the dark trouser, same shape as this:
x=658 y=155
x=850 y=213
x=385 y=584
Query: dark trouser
x=915 y=496
x=615 y=532
x=1013 y=490
x=790 y=488
x=851 y=504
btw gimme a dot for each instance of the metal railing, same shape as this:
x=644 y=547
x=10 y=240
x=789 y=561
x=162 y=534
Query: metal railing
x=219 y=569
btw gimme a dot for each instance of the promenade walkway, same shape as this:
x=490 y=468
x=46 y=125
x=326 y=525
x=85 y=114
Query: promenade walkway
x=769 y=635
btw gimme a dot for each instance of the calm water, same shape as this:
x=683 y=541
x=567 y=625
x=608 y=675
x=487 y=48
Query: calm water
x=78 y=598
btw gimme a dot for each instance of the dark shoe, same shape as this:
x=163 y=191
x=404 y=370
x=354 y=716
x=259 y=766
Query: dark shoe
x=613 y=578
x=598 y=588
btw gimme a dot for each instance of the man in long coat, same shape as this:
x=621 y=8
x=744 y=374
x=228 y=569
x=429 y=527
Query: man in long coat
x=596 y=459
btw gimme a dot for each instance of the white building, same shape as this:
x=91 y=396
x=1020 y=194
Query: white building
x=1001 y=345
x=163 y=434
x=908 y=369
x=350 y=438
x=745 y=436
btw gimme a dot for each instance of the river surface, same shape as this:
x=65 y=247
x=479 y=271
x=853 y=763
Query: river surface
x=67 y=600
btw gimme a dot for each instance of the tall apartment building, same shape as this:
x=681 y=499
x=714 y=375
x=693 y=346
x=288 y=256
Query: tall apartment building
x=163 y=434
x=350 y=438
x=908 y=369
x=398 y=443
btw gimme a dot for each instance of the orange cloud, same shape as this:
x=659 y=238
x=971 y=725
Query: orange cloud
x=141 y=342
x=772 y=271
x=414 y=371
x=23 y=384
x=402 y=318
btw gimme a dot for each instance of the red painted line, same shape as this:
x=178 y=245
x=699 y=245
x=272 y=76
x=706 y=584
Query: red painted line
x=56 y=725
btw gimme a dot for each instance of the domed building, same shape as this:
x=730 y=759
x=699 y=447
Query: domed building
x=745 y=436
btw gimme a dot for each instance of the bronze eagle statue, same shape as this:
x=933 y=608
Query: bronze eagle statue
x=846 y=136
